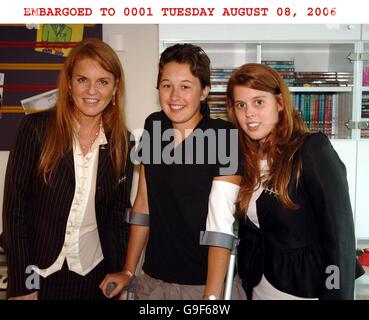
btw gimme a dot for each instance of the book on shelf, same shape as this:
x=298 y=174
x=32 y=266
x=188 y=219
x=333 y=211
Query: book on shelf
x=365 y=106
x=365 y=133
x=287 y=74
x=217 y=106
x=227 y=70
x=278 y=61
x=219 y=83
x=285 y=68
x=217 y=96
x=318 y=76
x=323 y=79
x=219 y=77
x=322 y=84
x=325 y=112
x=282 y=67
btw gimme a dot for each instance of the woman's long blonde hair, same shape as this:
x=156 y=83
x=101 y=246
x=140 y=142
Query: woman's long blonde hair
x=280 y=145
x=59 y=134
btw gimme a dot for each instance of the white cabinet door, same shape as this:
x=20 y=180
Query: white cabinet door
x=362 y=193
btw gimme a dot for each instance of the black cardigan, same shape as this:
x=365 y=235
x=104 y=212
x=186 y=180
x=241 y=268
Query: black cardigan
x=293 y=248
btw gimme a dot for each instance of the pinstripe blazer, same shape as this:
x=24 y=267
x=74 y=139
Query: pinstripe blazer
x=35 y=214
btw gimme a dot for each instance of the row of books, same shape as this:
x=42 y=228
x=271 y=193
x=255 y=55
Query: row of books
x=286 y=68
x=365 y=106
x=323 y=79
x=365 y=113
x=220 y=76
x=217 y=105
x=325 y=112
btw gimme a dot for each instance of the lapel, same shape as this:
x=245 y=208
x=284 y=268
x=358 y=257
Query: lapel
x=264 y=205
x=105 y=173
x=69 y=163
x=104 y=162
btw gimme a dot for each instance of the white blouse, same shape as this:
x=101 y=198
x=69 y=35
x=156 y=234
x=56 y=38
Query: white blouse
x=81 y=248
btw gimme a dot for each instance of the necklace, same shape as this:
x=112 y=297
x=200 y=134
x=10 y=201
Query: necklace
x=87 y=146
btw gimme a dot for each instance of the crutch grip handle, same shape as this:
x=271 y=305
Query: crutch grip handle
x=129 y=287
x=110 y=287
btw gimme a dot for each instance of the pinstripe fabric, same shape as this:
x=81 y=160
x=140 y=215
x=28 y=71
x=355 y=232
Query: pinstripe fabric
x=35 y=213
x=67 y=285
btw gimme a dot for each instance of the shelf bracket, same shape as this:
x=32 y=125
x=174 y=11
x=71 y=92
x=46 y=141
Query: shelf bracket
x=356 y=56
x=361 y=125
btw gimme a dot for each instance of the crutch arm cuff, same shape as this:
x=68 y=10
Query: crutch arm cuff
x=136 y=218
x=218 y=239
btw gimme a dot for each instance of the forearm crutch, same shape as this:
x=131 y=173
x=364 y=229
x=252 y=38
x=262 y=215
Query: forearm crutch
x=230 y=274
x=223 y=240
x=133 y=218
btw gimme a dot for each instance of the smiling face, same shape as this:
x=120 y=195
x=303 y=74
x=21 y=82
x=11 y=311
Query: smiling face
x=91 y=87
x=180 y=94
x=257 y=112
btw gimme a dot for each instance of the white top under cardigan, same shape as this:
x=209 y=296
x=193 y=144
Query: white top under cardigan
x=81 y=248
x=265 y=290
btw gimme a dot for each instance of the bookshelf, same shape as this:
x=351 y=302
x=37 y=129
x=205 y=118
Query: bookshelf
x=311 y=67
x=311 y=49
